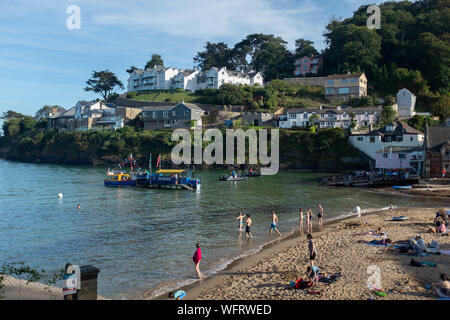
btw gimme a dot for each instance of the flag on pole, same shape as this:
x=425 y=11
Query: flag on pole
x=131 y=161
x=150 y=163
x=159 y=160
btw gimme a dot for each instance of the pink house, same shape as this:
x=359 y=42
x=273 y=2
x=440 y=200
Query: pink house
x=399 y=158
x=307 y=65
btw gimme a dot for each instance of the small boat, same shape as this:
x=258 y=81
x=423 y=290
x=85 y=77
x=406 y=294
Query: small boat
x=119 y=179
x=402 y=187
x=401 y=218
x=231 y=178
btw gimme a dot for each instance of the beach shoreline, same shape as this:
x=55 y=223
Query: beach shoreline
x=242 y=265
x=271 y=259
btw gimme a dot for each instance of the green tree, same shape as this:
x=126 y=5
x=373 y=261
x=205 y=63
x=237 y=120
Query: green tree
x=387 y=115
x=304 y=48
x=132 y=69
x=419 y=122
x=215 y=55
x=155 y=61
x=103 y=82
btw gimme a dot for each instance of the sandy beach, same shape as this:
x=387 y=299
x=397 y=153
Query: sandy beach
x=266 y=274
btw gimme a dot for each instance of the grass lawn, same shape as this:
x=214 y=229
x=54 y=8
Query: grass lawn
x=168 y=97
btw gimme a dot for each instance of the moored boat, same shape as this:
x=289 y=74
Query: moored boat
x=119 y=179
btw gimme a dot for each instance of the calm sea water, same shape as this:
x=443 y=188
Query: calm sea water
x=144 y=238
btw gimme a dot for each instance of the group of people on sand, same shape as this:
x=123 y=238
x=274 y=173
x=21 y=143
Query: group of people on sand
x=440 y=222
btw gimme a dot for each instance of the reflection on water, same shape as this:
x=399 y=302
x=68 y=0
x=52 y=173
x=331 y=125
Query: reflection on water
x=141 y=238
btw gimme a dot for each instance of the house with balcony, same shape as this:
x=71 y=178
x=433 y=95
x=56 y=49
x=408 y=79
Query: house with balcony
x=159 y=78
x=343 y=87
x=213 y=78
x=395 y=158
x=308 y=65
x=173 y=116
x=437 y=150
x=338 y=117
x=62 y=121
x=395 y=134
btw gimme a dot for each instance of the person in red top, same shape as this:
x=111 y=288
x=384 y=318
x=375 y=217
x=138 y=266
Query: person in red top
x=444 y=172
x=197 y=257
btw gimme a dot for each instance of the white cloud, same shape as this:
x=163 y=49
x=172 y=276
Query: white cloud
x=215 y=20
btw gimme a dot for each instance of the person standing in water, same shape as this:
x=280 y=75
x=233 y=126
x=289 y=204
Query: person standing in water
x=273 y=225
x=248 y=223
x=241 y=221
x=197 y=257
x=309 y=220
x=300 y=212
x=320 y=216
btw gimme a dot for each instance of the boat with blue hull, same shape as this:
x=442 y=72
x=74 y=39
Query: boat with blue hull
x=120 y=179
x=169 y=178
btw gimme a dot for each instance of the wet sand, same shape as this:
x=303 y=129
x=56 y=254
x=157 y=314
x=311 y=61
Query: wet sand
x=266 y=274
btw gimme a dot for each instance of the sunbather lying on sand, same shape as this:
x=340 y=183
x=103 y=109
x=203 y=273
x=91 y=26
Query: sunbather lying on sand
x=377 y=232
x=442 y=288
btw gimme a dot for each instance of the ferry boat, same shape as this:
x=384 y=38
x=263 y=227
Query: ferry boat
x=169 y=178
x=119 y=179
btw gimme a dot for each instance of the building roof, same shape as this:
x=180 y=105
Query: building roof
x=436 y=137
x=169 y=107
x=345 y=76
x=400 y=128
x=67 y=114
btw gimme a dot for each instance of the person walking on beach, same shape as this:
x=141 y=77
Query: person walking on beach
x=300 y=212
x=248 y=223
x=309 y=220
x=312 y=249
x=273 y=225
x=320 y=216
x=197 y=257
x=240 y=217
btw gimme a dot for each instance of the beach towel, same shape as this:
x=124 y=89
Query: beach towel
x=446 y=252
x=197 y=256
x=375 y=244
x=415 y=263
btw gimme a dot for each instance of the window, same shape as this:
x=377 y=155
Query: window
x=402 y=155
x=360 y=139
x=385 y=155
x=388 y=139
x=329 y=91
x=294 y=123
x=330 y=81
x=372 y=139
x=166 y=114
x=292 y=116
x=174 y=113
x=343 y=90
x=305 y=116
x=344 y=81
x=399 y=138
x=411 y=139
x=186 y=112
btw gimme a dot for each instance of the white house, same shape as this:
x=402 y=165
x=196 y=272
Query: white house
x=329 y=117
x=159 y=78
x=406 y=103
x=186 y=80
x=395 y=134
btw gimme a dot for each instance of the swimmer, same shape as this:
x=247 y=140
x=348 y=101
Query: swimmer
x=241 y=221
